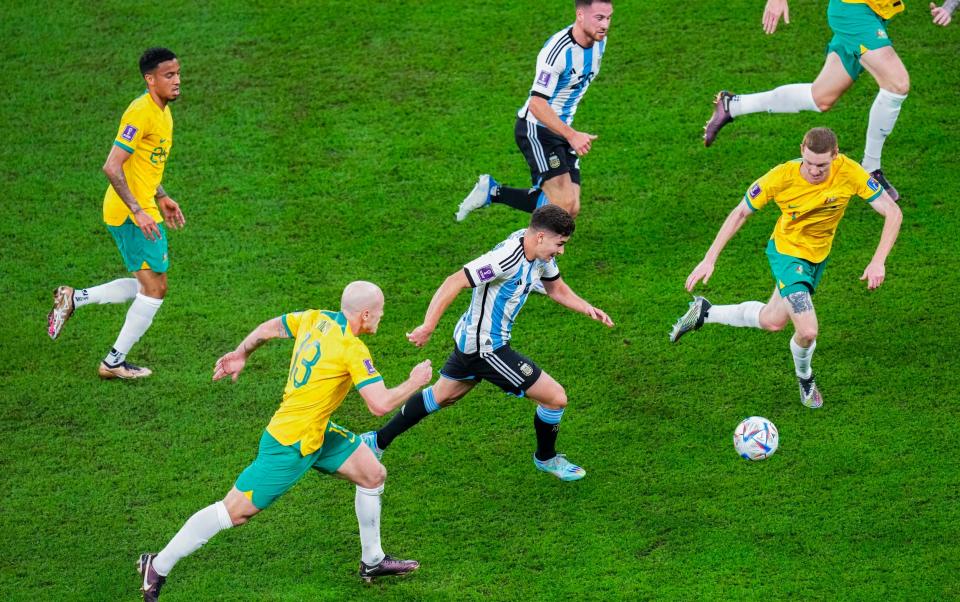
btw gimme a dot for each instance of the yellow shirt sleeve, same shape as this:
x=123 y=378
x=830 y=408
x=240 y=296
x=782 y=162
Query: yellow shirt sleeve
x=763 y=190
x=866 y=187
x=134 y=123
x=291 y=322
x=360 y=365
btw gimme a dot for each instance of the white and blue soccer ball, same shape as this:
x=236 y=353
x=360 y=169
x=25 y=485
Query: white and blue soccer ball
x=756 y=438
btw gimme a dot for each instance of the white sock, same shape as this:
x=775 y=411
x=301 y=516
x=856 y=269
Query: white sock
x=139 y=317
x=198 y=529
x=883 y=116
x=118 y=291
x=743 y=314
x=367 y=504
x=802 y=357
x=791 y=98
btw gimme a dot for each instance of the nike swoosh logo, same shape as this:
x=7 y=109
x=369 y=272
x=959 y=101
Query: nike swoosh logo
x=793 y=206
x=146 y=572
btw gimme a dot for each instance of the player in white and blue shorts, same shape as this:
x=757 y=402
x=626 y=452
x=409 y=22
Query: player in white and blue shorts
x=501 y=281
x=566 y=65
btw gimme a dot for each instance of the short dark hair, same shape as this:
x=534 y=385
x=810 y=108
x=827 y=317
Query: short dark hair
x=552 y=218
x=582 y=3
x=152 y=57
x=820 y=140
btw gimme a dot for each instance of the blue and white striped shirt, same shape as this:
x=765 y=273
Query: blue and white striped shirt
x=564 y=72
x=502 y=279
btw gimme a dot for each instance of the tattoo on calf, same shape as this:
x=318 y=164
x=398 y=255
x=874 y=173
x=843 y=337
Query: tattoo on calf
x=800 y=302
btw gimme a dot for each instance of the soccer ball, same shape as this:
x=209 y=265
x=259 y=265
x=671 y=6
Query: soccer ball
x=756 y=438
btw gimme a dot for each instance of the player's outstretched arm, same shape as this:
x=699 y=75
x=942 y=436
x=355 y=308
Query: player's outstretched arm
x=442 y=299
x=113 y=169
x=876 y=271
x=943 y=14
x=730 y=226
x=381 y=401
x=231 y=364
x=579 y=141
x=772 y=13
x=170 y=209
x=560 y=291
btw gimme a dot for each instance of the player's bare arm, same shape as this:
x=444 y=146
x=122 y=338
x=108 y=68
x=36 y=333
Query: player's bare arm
x=381 y=401
x=772 y=13
x=441 y=300
x=231 y=364
x=113 y=169
x=560 y=291
x=170 y=209
x=579 y=141
x=875 y=271
x=730 y=226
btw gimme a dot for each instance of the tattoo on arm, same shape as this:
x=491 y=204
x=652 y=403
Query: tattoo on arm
x=250 y=348
x=800 y=302
x=119 y=183
x=161 y=192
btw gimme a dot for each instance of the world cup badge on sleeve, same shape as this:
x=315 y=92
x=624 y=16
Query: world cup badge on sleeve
x=368 y=364
x=129 y=132
x=544 y=78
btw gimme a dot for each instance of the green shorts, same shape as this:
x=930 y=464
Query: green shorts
x=856 y=29
x=278 y=467
x=139 y=253
x=793 y=274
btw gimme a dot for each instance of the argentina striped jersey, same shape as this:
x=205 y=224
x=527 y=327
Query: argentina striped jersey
x=564 y=72
x=501 y=281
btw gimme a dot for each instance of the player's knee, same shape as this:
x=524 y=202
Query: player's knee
x=557 y=401
x=899 y=85
x=772 y=325
x=806 y=335
x=373 y=478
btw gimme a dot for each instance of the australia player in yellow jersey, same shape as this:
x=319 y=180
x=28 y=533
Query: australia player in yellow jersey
x=327 y=359
x=134 y=209
x=860 y=41
x=812 y=194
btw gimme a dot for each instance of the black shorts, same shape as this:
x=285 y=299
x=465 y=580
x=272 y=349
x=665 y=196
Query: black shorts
x=547 y=154
x=509 y=370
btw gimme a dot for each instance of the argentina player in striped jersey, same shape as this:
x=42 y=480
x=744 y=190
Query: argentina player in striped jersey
x=566 y=65
x=501 y=281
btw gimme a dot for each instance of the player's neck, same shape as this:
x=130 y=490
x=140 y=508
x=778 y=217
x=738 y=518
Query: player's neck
x=529 y=246
x=157 y=100
x=581 y=37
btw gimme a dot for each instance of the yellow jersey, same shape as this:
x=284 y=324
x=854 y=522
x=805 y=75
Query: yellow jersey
x=810 y=212
x=885 y=8
x=146 y=131
x=327 y=358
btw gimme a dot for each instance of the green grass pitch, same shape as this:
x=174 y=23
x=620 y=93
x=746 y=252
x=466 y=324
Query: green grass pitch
x=324 y=142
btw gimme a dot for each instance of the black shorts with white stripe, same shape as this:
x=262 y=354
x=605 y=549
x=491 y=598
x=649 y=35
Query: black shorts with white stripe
x=547 y=154
x=511 y=371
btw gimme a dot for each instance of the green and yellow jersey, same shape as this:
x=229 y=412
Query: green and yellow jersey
x=327 y=358
x=885 y=8
x=810 y=212
x=146 y=131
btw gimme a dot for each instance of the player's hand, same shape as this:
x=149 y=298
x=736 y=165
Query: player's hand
x=581 y=142
x=599 y=315
x=171 y=212
x=874 y=274
x=941 y=16
x=772 y=13
x=422 y=373
x=147 y=225
x=420 y=335
x=230 y=364
x=703 y=271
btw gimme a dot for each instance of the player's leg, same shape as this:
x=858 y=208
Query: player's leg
x=364 y=470
x=818 y=96
x=803 y=343
x=148 y=260
x=455 y=381
x=66 y=300
x=275 y=470
x=551 y=401
x=886 y=67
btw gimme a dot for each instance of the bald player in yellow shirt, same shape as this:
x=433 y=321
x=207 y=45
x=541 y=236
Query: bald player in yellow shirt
x=860 y=41
x=327 y=359
x=812 y=194
x=134 y=209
